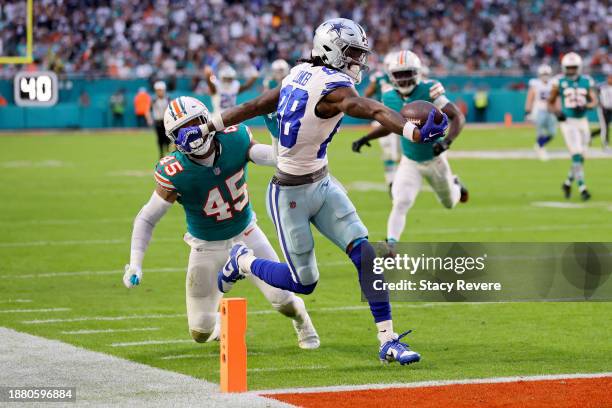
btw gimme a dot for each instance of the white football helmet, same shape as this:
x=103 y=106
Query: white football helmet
x=227 y=73
x=388 y=59
x=404 y=71
x=571 y=64
x=280 y=69
x=342 y=44
x=187 y=110
x=544 y=71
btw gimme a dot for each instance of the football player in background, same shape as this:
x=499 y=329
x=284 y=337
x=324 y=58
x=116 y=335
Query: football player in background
x=577 y=95
x=390 y=146
x=158 y=108
x=279 y=70
x=536 y=108
x=418 y=160
x=225 y=88
x=310 y=103
x=604 y=111
x=207 y=176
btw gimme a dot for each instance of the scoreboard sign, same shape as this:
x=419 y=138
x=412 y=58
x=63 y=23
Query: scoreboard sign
x=35 y=88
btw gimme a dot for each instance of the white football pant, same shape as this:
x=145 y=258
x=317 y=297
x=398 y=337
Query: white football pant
x=407 y=184
x=203 y=296
x=577 y=134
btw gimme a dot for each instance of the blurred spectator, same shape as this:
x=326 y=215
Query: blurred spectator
x=3 y=101
x=123 y=38
x=142 y=108
x=84 y=99
x=117 y=107
x=160 y=103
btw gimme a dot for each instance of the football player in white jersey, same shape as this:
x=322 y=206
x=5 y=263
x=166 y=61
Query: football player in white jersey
x=310 y=103
x=225 y=88
x=536 y=108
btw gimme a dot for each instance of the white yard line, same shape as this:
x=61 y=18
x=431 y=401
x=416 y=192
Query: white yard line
x=521 y=154
x=74 y=242
x=103 y=331
x=253 y=312
x=103 y=380
x=298 y=368
x=493 y=380
x=16 y=301
x=190 y=356
x=55 y=309
x=150 y=342
x=119 y=272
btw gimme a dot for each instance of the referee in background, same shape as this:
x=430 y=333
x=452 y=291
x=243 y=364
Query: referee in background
x=158 y=107
x=604 y=111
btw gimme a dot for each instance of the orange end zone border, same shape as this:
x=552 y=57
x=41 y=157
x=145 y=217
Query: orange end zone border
x=558 y=393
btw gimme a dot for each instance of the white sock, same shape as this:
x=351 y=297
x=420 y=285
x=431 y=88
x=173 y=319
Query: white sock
x=245 y=261
x=295 y=309
x=385 y=331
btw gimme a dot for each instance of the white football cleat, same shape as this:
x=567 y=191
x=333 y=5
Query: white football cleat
x=541 y=152
x=308 y=339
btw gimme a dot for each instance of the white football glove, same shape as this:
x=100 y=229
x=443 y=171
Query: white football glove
x=132 y=276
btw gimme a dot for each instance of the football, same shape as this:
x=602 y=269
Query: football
x=417 y=112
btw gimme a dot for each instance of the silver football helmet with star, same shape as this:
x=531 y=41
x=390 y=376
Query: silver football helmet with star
x=342 y=44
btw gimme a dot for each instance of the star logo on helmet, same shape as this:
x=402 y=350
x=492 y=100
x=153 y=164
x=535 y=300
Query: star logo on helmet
x=337 y=27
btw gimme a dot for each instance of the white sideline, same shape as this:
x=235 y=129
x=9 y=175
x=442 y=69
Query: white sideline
x=102 y=331
x=493 y=380
x=103 y=380
x=215 y=355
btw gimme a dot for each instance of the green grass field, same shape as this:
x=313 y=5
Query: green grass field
x=66 y=214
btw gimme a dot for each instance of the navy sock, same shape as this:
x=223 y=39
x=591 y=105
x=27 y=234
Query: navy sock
x=543 y=140
x=362 y=254
x=278 y=274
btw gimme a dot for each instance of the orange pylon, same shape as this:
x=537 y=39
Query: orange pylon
x=233 y=351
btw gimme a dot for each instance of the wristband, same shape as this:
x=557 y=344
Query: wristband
x=217 y=121
x=408 y=131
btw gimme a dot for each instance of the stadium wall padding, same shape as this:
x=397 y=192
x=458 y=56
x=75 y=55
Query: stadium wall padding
x=69 y=114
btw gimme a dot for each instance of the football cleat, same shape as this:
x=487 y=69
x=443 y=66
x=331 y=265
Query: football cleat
x=567 y=190
x=585 y=195
x=465 y=195
x=541 y=152
x=394 y=350
x=231 y=273
x=308 y=339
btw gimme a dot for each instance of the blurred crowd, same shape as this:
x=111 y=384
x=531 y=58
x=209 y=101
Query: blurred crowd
x=126 y=38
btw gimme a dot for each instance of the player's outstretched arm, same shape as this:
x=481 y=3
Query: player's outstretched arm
x=347 y=100
x=456 y=122
x=249 y=82
x=529 y=101
x=379 y=131
x=208 y=74
x=150 y=214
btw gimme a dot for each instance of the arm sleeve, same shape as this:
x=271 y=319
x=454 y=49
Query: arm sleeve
x=263 y=155
x=144 y=224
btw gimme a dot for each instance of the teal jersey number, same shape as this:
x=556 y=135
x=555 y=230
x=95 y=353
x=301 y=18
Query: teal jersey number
x=215 y=199
x=574 y=94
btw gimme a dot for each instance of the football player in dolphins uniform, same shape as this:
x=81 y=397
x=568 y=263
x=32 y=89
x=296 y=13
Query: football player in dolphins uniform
x=390 y=146
x=207 y=176
x=310 y=104
x=418 y=160
x=536 y=107
x=577 y=95
x=280 y=69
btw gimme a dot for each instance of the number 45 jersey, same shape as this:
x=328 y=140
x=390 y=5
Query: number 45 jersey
x=215 y=199
x=304 y=136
